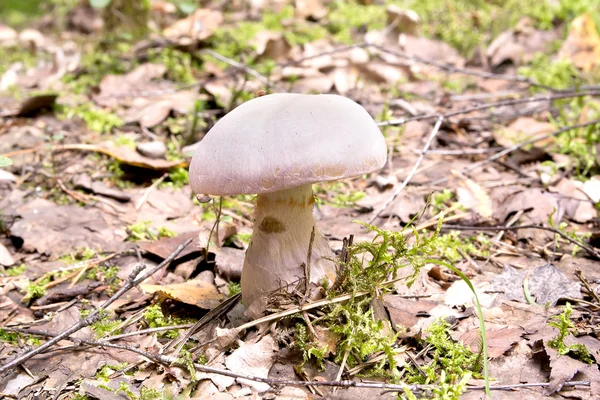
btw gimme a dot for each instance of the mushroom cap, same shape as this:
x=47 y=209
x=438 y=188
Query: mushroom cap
x=281 y=141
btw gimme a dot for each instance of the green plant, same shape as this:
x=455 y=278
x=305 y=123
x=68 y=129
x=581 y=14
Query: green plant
x=96 y=119
x=309 y=349
x=125 y=141
x=107 y=370
x=344 y=16
x=105 y=325
x=155 y=318
x=15 y=271
x=566 y=327
x=5 y=162
x=233 y=288
x=143 y=231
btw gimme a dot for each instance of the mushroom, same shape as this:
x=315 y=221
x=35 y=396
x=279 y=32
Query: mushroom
x=277 y=146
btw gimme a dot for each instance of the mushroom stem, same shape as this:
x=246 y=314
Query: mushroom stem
x=279 y=247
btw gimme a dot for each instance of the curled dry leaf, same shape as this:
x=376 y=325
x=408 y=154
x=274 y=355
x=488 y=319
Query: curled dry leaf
x=474 y=197
x=500 y=339
x=195 y=292
x=520 y=44
x=582 y=46
x=254 y=359
x=546 y=285
x=198 y=26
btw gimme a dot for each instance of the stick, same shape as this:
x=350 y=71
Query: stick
x=412 y=173
x=516 y=147
x=503 y=103
x=96 y=315
x=591 y=251
x=167 y=360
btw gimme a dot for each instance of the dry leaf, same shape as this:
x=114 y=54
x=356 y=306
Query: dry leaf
x=474 y=197
x=500 y=339
x=576 y=204
x=403 y=20
x=310 y=9
x=196 y=27
x=195 y=292
x=254 y=359
x=272 y=45
x=546 y=284
x=520 y=44
x=165 y=246
x=524 y=128
x=582 y=46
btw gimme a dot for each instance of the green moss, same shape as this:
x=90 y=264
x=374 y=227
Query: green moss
x=566 y=327
x=106 y=371
x=155 y=318
x=234 y=288
x=96 y=118
x=15 y=271
x=346 y=17
x=142 y=230
x=105 y=325
x=125 y=141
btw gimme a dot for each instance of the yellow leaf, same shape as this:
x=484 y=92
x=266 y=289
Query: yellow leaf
x=195 y=292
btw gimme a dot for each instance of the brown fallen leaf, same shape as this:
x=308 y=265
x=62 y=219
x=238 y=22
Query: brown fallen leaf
x=474 y=197
x=51 y=229
x=520 y=44
x=406 y=312
x=524 y=128
x=310 y=9
x=254 y=359
x=577 y=206
x=500 y=339
x=126 y=155
x=28 y=106
x=195 y=292
x=198 y=26
x=165 y=246
x=546 y=284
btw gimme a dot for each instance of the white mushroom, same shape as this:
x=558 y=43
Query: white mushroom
x=277 y=146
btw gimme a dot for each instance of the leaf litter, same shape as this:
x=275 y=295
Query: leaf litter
x=78 y=120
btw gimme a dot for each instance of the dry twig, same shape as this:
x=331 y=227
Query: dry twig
x=96 y=315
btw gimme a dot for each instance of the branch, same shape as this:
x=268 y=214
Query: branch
x=168 y=360
x=503 y=103
x=97 y=314
x=516 y=147
x=412 y=173
x=590 y=250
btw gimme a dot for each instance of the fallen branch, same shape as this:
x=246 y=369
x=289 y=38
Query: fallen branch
x=412 y=173
x=96 y=315
x=515 y=147
x=169 y=361
x=590 y=250
x=263 y=79
x=503 y=103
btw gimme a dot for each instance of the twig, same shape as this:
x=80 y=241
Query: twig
x=591 y=251
x=466 y=71
x=503 y=103
x=516 y=147
x=244 y=68
x=131 y=282
x=307 y=267
x=222 y=309
x=149 y=190
x=586 y=284
x=167 y=360
x=432 y=136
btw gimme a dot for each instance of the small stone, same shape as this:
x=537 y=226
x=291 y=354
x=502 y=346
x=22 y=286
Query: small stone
x=152 y=149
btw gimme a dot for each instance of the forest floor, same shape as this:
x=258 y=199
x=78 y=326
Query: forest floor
x=130 y=285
